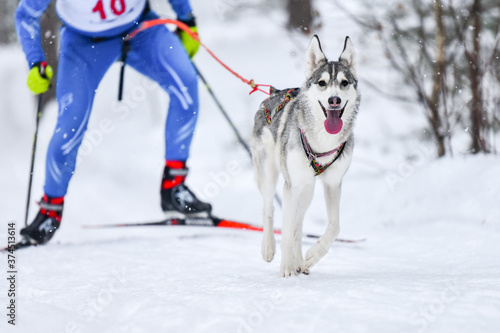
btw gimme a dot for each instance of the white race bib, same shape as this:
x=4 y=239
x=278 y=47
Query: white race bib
x=99 y=15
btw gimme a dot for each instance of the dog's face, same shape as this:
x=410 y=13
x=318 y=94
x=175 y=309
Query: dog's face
x=332 y=86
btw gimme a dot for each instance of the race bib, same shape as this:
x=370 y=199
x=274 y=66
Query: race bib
x=99 y=15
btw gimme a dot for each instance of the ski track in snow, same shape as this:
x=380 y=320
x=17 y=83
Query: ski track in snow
x=430 y=262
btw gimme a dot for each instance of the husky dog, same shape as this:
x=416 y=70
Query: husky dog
x=306 y=133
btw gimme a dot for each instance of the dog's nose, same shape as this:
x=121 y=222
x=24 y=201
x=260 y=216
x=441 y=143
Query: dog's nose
x=334 y=101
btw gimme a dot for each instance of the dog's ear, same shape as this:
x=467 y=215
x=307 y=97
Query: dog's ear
x=347 y=57
x=314 y=57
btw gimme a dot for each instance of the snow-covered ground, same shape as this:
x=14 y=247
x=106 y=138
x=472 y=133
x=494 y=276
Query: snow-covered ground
x=430 y=262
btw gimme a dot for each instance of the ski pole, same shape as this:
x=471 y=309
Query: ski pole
x=33 y=148
x=123 y=60
x=226 y=116
x=224 y=113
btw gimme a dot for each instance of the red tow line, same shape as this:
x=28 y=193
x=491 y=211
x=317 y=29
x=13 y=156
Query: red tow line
x=151 y=23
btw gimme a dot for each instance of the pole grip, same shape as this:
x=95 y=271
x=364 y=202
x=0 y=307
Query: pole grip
x=43 y=69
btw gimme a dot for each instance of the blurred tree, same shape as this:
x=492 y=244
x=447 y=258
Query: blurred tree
x=477 y=32
x=7 y=29
x=50 y=42
x=50 y=36
x=447 y=52
x=300 y=15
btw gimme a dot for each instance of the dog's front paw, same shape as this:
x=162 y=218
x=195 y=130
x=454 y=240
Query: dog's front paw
x=314 y=254
x=290 y=267
x=288 y=270
x=268 y=248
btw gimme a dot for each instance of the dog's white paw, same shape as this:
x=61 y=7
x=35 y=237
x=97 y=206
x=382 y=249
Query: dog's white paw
x=288 y=270
x=314 y=254
x=290 y=266
x=268 y=248
x=301 y=267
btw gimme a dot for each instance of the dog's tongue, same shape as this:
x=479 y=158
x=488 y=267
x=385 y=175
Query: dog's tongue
x=333 y=124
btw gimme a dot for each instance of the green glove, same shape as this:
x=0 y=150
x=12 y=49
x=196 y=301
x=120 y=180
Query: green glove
x=39 y=77
x=189 y=43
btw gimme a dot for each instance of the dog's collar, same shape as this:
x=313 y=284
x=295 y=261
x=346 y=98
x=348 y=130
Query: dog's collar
x=312 y=156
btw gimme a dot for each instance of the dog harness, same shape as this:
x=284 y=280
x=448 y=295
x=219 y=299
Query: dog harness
x=277 y=102
x=312 y=156
x=280 y=97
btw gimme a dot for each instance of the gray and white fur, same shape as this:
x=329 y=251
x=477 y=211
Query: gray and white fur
x=330 y=87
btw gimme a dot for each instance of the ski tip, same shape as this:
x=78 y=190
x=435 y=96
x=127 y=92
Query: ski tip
x=342 y=240
x=23 y=243
x=98 y=226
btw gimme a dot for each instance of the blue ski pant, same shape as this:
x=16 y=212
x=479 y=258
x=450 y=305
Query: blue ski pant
x=156 y=53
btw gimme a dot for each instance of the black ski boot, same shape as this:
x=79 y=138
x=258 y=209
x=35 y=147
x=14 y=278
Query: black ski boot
x=48 y=220
x=176 y=197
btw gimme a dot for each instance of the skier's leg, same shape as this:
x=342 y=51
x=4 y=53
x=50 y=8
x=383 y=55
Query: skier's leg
x=82 y=64
x=158 y=54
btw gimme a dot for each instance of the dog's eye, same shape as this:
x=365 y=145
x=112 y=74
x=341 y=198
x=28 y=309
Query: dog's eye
x=322 y=83
x=344 y=83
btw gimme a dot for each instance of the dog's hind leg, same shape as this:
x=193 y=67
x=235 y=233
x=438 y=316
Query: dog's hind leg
x=266 y=175
x=318 y=250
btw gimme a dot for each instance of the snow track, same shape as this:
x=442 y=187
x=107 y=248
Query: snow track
x=430 y=262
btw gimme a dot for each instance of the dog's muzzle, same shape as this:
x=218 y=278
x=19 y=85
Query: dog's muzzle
x=340 y=110
x=333 y=123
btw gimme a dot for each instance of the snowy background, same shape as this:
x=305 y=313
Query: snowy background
x=430 y=262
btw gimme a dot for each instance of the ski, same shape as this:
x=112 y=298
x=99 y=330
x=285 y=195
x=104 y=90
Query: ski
x=206 y=222
x=23 y=243
x=193 y=222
